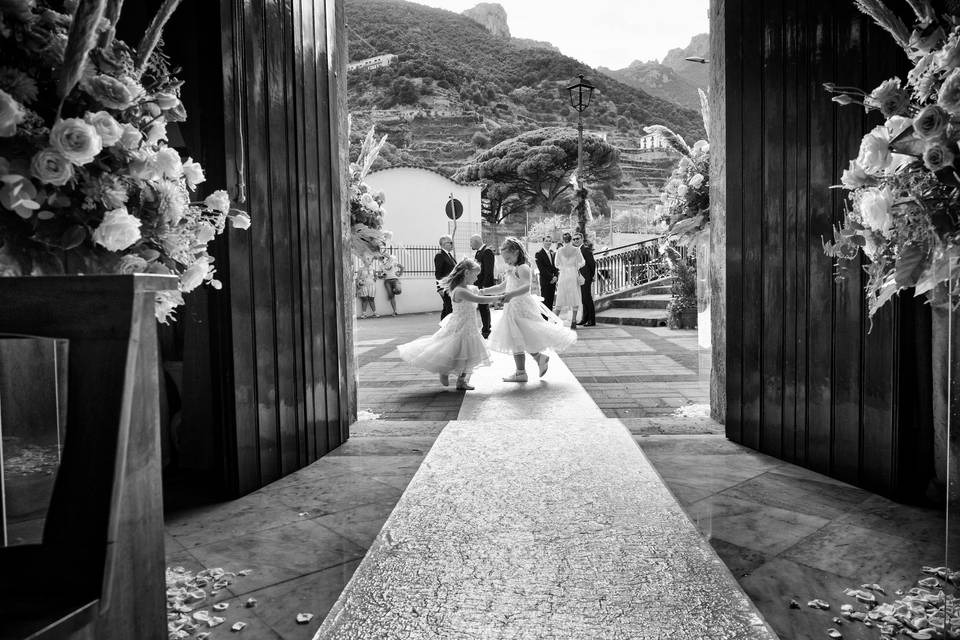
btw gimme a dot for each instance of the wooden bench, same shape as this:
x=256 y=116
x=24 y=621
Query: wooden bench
x=99 y=570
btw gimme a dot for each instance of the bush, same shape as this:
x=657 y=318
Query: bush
x=683 y=303
x=480 y=140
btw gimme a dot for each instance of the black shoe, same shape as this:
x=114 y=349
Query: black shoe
x=581 y=324
x=589 y=324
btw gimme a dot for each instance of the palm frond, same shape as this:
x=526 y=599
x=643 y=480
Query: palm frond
x=83 y=32
x=924 y=11
x=670 y=138
x=887 y=20
x=705 y=111
x=111 y=14
x=152 y=35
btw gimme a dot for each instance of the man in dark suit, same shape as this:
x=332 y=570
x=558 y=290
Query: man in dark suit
x=547 y=267
x=443 y=264
x=588 y=271
x=483 y=255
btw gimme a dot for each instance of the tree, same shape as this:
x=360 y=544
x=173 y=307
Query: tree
x=532 y=171
x=480 y=140
x=404 y=91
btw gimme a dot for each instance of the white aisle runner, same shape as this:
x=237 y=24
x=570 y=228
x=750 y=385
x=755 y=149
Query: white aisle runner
x=533 y=516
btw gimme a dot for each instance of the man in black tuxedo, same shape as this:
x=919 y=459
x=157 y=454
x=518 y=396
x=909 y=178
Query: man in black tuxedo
x=549 y=273
x=588 y=271
x=483 y=255
x=443 y=264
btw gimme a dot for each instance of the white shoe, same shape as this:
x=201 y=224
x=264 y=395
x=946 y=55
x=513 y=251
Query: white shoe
x=519 y=376
x=544 y=362
x=445 y=379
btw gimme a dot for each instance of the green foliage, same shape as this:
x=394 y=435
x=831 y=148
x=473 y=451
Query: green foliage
x=532 y=171
x=480 y=140
x=683 y=290
x=458 y=52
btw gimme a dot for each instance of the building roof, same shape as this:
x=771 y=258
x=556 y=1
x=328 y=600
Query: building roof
x=439 y=173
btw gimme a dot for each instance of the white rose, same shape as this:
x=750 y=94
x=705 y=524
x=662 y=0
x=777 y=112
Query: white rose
x=696 y=181
x=193 y=173
x=240 y=221
x=50 y=167
x=218 y=201
x=132 y=264
x=194 y=276
x=130 y=136
x=875 y=209
x=701 y=146
x=166 y=100
x=11 y=114
x=168 y=162
x=118 y=231
x=143 y=167
x=108 y=128
x=874 y=156
x=157 y=132
x=76 y=140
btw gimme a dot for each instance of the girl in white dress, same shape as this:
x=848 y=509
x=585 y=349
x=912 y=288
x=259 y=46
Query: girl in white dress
x=458 y=346
x=526 y=325
x=569 y=259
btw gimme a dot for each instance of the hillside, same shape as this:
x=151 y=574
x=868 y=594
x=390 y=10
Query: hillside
x=441 y=50
x=657 y=80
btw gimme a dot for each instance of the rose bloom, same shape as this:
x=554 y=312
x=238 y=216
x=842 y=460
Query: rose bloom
x=701 y=146
x=132 y=264
x=889 y=97
x=157 y=132
x=108 y=128
x=50 y=167
x=218 y=201
x=931 y=122
x=936 y=156
x=11 y=114
x=949 y=97
x=110 y=92
x=76 y=140
x=855 y=177
x=240 y=221
x=143 y=167
x=118 y=231
x=168 y=162
x=696 y=181
x=166 y=100
x=194 y=276
x=875 y=205
x=130 y=136
x=193 y=173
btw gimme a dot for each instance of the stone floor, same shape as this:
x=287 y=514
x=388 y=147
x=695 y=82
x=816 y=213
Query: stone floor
x=784 y=532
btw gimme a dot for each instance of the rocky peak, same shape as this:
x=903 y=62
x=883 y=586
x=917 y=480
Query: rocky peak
x=492 y=16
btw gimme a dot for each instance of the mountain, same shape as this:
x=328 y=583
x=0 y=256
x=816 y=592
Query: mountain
x=492 y=16
x=658 y=80
x=527 y=43
x=696 y=74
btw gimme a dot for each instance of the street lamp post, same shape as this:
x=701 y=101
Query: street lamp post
x=580 y=95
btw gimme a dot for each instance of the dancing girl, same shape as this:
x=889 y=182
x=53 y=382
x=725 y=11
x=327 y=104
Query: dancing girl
x=527 y=326
x=457 y=348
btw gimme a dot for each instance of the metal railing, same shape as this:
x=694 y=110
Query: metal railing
x=631 y=265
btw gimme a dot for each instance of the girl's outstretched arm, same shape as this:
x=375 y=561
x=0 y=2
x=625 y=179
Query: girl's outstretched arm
x=461 y=294
x=495 y=289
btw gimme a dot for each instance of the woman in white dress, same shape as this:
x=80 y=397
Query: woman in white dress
x=569 y=260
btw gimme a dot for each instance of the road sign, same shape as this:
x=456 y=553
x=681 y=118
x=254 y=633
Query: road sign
x=454 y=208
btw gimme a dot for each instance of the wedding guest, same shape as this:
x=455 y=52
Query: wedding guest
x=391 y=269
x=569 y=259
x=485 y=258
x=547 y=268
x=588 y=271
x=367 y=288
x=443 y=264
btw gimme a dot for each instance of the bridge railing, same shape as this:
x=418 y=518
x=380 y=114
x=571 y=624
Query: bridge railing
x=629 y=266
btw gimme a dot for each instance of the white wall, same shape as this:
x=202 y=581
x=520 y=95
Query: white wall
x=415 y=204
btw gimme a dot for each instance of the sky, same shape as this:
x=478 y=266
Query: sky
x=608 y=33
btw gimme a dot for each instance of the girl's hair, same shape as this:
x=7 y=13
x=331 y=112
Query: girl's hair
x=567 y=237
x=456 y=277
x=512 y=244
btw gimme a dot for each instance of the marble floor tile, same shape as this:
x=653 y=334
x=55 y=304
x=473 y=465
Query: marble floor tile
x=279 y=554
x=753 y=526
x=866 y=555
x=255 y=512
x=710 y=474
x=776 y=582
x=923 y=524
x=360 y=525
x=312 y=593
x=804 y=495
x=739 y=560
x=335 y=493
x=384 y=445
x=382 y=428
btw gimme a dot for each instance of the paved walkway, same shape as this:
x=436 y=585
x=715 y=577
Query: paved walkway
x=534 y=516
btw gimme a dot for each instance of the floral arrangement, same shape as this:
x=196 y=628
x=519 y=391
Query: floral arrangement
x=904 y=190
x=89 y=183
x=684 y=212
x=682 y=308
x=366 y=206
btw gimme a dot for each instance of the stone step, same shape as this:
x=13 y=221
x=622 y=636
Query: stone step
x=635 y=317
x=654 y=301
x=658 y=290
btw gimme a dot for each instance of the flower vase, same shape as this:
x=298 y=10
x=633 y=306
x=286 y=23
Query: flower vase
x=703 y=288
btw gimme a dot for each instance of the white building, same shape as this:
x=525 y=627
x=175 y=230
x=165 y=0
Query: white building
x=415 y=201
x=376 y=62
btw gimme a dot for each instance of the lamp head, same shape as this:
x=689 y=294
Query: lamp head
x=580 y=94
